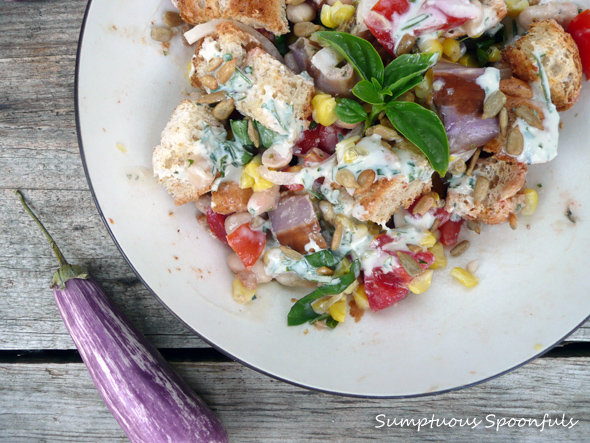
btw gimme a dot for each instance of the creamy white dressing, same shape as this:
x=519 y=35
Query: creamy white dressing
x=463 y=184
x=489 y=81
x=278 y=263
x=232 y=174
x=540 y=146
x=210 y=49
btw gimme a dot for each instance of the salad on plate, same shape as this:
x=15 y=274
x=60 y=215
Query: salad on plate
x=342 y=146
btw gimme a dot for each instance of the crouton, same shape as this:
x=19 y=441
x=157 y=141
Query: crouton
x=275 y=84
x=506 y=176
x=227 y=39
x=558 y=54
x=268 y=14
x=230 y=198
x=178 y=161
x=491 y=13
x=386 y=195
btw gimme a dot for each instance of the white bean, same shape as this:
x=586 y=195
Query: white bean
x=235 y=263
x=562 y=13
x=305 y=12
x=272 y=159
x=203 y=203
x=260 y=273
x=236 y=220
x=263 y=201
x=344 y=2
x=292 y=279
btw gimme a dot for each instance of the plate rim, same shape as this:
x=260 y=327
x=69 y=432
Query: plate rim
x=218 y=347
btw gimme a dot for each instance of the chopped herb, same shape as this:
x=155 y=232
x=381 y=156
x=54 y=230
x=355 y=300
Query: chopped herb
x=190 y=162
x=227 y=57
x=570 y=216
x=165 y=52
x=539 y=185
x=331 y=322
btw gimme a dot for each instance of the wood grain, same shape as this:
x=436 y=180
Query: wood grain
x=256 y=408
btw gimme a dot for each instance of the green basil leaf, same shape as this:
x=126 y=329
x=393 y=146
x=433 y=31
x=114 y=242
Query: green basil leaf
x=322 y=258
x=282 y=44
x=408 y=65
x=350 y=111
x=367 y=92
x=424 y=129
x=482 y=55
x=239 y=128
x=357 y=51
x=405 y=84
x=267 y=136
x=331 y=322
x=302 y=311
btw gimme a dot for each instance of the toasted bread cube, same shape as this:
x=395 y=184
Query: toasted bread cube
x=230 y=198
x=560 y=57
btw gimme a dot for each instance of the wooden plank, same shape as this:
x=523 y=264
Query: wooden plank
x=255 y=408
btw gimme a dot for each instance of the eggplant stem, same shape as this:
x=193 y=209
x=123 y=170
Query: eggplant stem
x=57 y=252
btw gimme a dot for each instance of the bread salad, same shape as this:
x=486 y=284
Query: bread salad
x=341 y=146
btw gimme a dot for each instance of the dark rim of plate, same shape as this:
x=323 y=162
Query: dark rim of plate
x=205 y=339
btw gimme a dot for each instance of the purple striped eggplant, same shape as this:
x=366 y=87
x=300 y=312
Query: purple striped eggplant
x=149 y=400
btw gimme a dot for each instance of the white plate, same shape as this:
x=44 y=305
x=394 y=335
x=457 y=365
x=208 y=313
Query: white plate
x=533 y=287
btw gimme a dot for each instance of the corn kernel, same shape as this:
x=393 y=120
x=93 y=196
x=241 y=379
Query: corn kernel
x=495 y=54
x=255 y=180
x=423 y=89
x=333 y=16
x=465 y=277
x=428 y=240
x=432 y=45
x=440 y=259
x=360 y=297
x=532 y=198
x=338 y=310
x=242 y=294
x=451 y=49
x=421 y=283
x=324 y=109
x=469 y=60
x=515 y=7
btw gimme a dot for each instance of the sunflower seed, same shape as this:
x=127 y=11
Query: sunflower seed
x=482 y=187
x=209 y=82
x=435 y=224
x=513 y=220
x=324 y=270
x=161 y=34
x=294 y=2
x=336 y=237
x=503 y=121
x=386 y=133
x=305 y=29
x=414 y=248
x=473 y=161
x=366 y=179
x=529 y=116
x=424 y=204
x=226 y=71
x=474 y=226
x=494 y=104
x=291 y=253
x=460 y=248
x=346 y=178
x=214 y=63
x=405 y=44
x=460 y=166
x=515 y=141
x=214 y=97
x=223 y=109
x=410 y=265
x=253 y=134
x=172 y=19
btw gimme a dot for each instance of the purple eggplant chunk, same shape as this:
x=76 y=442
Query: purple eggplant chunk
x=149 y=400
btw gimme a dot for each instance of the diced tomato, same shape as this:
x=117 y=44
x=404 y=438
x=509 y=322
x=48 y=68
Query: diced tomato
x=386 y=288
x=247 y=243
x=309 y=139
x=217 y=224
x=385 y=18
x=449 y=232
x=330 y=136
x=442 y=215
x=579 y=28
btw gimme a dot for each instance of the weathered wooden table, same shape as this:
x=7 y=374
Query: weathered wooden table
x=46 y=393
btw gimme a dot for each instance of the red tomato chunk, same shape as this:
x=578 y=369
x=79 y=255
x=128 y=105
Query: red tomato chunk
x=247 y=243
